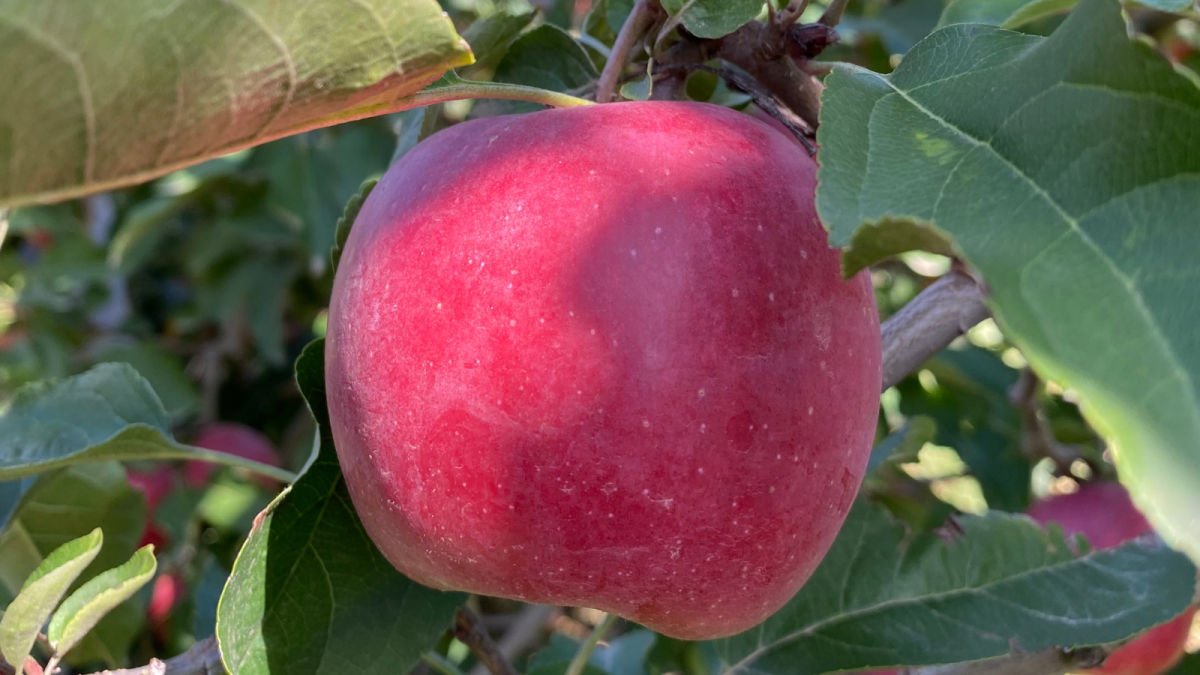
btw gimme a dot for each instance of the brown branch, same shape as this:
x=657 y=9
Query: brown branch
x=768 y=52
x=470 y=631
x=762 y=98
x=204 y=658
x=946 y=309
x=1037 y=440
x=526 y=628
x=635 y=27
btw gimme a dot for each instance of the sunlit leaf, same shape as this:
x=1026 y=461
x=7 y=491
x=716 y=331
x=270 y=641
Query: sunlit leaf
x=43 y=590
x=87 y=606
x=107 y=93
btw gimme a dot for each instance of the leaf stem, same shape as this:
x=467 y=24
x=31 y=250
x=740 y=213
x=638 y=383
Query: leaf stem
x=585 y=650
x=206 y=455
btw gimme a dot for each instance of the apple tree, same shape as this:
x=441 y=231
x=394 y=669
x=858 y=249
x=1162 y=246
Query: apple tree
x=605 y=337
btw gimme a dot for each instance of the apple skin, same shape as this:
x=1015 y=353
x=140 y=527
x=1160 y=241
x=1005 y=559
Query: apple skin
x=1104 y=513
x=233 y=439
x=604 y=357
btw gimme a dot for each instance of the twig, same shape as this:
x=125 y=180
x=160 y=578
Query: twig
x=525 y=629
x=1053 y=661
x=204 y=658
x=1037 y=440
x=768 y=53
x=469 y=631
x=579 y=662
x=762 y=98
x=833 y=13
x=946 y=309
x=635 y=26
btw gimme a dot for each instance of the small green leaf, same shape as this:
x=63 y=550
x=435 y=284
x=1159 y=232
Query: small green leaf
x=310 y=594
x=1088 y=250
x=713 y=18
x=109 y=93
x=43 y=590
x=107 y=413
x=903 y=444
x=64 y=505
x=86 y=606
x=342 y=232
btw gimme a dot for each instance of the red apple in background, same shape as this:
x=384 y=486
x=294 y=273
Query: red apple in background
x=1104 y=513
x=234 y=439
x=604 y=357
x=155 y=484
x=169 y=588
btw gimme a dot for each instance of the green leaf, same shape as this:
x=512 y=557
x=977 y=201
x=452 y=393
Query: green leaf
x=41 y=593
x=163 y=372
x=884 y=599
x=713 y=18
x=65 y=505
x=86 y=606
x=1067 y=170
x=107 y=413
x=974 y=416
x=309 y=592
x=903 y=444
x=342 y=231
x=617 y=13
x=490 y=37
x=546 y=57
x=115 y=92
x=1013 y=13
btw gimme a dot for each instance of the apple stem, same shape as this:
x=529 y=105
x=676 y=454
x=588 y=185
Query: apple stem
x=585 y=650
x=206 y=455
x=457 y=89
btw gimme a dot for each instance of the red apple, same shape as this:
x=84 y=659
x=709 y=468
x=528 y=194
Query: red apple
x=168 y=590
x=604 y=357
x=234 y=439
x=155 y=485
x=1104 y=513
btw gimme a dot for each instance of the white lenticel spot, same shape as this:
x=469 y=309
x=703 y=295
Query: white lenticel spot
x=512 y=322
x=810 y=410
x=439 y=305
x=735 y=292
x=658 y=230
x=700 y=393
x=771 y=297
x=646 y=423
